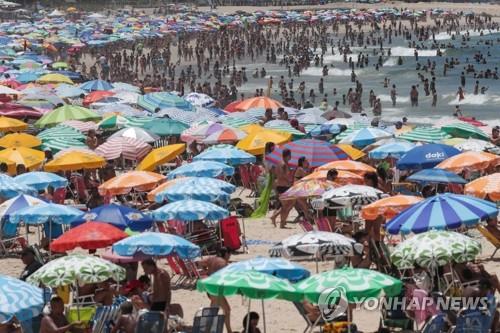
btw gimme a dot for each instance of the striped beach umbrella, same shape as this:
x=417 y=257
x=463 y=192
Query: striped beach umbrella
x=465 y=130
x=199 y=99
x=19 y=299
x=470 y=160
x=426 y=156
x=317 y=152
x=325 y=129
x=9 y=188
x=473 y=145
x=134 y=121
x=187 y=117
x=202 y=169
x=139 y=181
x=61 y=132
x=66 y=112
x=284 y=126
x=128 y=148
x=235 y=121
x=95 y=85
x=165 y=127
x=231 y=156
x=82 y=126
x=485 y=187
x=190 y=210
x=443 y=211
x=194 y=190
x=425 y=134
x=57 y=144
x=394 y=150
x=365 y=136
x=163 y=100
x=49 y=212
x=156 y=194
x=18 y=202
x=351 y=195
x=40 y=180
x=136 y=133
x=254 y=102
x=351 y=166
x=225 y=136
x=389 y=207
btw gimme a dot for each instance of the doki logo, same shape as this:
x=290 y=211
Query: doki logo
x=332 y=303
x=434 y=155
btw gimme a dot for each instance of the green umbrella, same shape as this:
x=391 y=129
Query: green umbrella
x=464 y=130
x=59 y=64
x=425 y=134
x=165 y=127
x=58 y=144
x=113 y=122
x=61 y=132
x=66 y=112
x=76 y=269
x=235 y=122
x=435 y=248
x=138 y=121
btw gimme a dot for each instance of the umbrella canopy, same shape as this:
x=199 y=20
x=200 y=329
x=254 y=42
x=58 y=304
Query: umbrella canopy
x=199 y=99
x=425 y=134
x=133 y=180
x=96 y=96
x=226 y=155
x=435 y=248
x=50 y=212
x=426 y=156
x=485 y=187
x=75 y=160
x=355 y=284
x=136 y=133
x=388 y=207
x=308 y=188
x=165 y=127
x=200 y=131
x=443 y=211
x=351 y=166
x=254 y=103
x=256 y=141
x=17 y=203
x=117 y=259
x=190 y=210
x=82 y=126
x=161 y=156
x=365 y=136
x=351 y=195
x=470 y=160
x=96 y=85
x=193 y=189
x=30 y=158
x=61 y=132
x=68 y=91
x=343 y=177
x=163 y=100
x=353 y=153
x=76 y=269
x=128 y=148
x=10 y=124
x=317 y=243
x=470 y=144
x=157 y=193
x=315 y=151
x=64 y=113
x=19 y=299
x=157 y=244
x=9 y=188
x=202 y=169
x=394 y=150
x=284 y=126
x=40 y=180
x=325 y=129
x=436 y=175
x=58 y=144
x=122 y=217
x=20 y=140
x=227 y=135
x=54 y=78
x=465 y=130
x=88 y=236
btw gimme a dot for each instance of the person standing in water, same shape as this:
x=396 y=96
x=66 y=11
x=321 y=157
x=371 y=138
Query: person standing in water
x=393 y=95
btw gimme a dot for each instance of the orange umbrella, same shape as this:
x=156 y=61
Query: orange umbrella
x=134 y=180
x=389 y=207
x=254 y=102
x=308 y=188
x=96 y=96
x=470 y=160
x=346 y=165
x=343 y=177
x=487 y=186
x=163 y=187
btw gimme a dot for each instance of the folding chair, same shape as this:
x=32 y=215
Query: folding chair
x=322 y=224
x=472 y=321
x=176 y=270
x=151 y=322
x=305 y=225
x=208 y=320
x=435 y=324
x=490 y=237
x=310 y=325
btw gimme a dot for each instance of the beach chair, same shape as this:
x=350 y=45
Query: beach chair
x=395 y=317
x=104 y=317
x=435 y=324
x=469 y=321
x=245 y=179
x=305 y=225
x=322 y=224
x=151 y=322
x=176 y=270
x=310 y=325
x=10 y=241
x=208 y=320
x=490 y=237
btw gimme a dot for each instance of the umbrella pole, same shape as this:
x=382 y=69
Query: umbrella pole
x=263 y=316
x=245 y=246
x=317 y=265
x=248 y=315
x=348 y=318
x=50 y=238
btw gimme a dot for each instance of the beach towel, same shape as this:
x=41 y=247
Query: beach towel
x=265 y=197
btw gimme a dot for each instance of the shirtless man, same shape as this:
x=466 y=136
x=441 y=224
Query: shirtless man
x=56 y=322
x=211 y=265
x=284 y=178
x=162 y=294
x=127 y=322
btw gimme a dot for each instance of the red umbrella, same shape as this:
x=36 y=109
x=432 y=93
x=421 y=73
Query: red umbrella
x=96 y=96
x=18 y=111
x=89 y=236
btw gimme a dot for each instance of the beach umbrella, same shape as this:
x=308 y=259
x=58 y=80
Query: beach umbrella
x=199 y=99
x=165 y=127
x=8 y=124
x=343 y=177
x=163 y=100
x=435 y=248
x=157 y=193
x=54 y=78
x=394 y=150
x=20 y=140
x=59 y=65
x=122 y=86
x=354 y=284
x=351 y=166
x=311 y=118
x=471 y=161
x=426 y=156
x=351 y=195
x=252 y=103
x=66 y=112
x=128 y=148
x=19 y=299
x=61 y=132
x=425 y=134
x=184 y=116
x=201 y=130
x=443 y=211
x=96 y=96
x=325 y=129
x=389 y=207
x=225 y=135
x=50 y=212
x=278 y=267
x=17 y=203
x=122 y=110
x=256 y=140
x=27 y=77
x=96 y=85
x=113 y=122
x=58 y=144
x=436 y=175
x=284 y=126
x=470 y=144
x=157 y=244
x=139 y=181
x=68 y=91
x=190 y=210
x=88 y=236
x=230 y=156
x=465 y=130
x=122 y=217
x=317 y=152
x=202 y=169
x=192 y=189
x=76 y=269
x=307 y=189
x=109 y=255
x=353 y=153
x=234 y=121
x=9 y=188
x=138 y=121
x=485 y=187
x=82 y=126
x=161 y=156
x=30 y=158
x=365 y=136
x=136 y=133
x=40 y=180
x=4 y=90
x=75 y=160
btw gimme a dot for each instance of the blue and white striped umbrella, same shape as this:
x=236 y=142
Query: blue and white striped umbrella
x=65 y=90
x=96 y=85
x=198 y=99
x=436 y=175
x=50 y=212
x=205 y=182
x=187 y=117
x=156 y=244
x=40 y=180
x=443 y=211
x=365 y=136
x=21 y=201
x=19 y=299
x=231 y=156
x=9 y=188
x=190 y=210
x=325 y=129
x=163 y=100
x=202 y=169
x=394 y=149
x=192 y=189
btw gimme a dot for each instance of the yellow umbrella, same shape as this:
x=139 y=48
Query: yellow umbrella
x=354 y=154
x=256 y=140
x=54 y=78
x=20 y=140
x=10 y=124
x=31 y=158
x=11 y=166
x=252 y=128
x=160 y=156
x=75 y=160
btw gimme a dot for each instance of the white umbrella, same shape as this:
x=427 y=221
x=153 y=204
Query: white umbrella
x=136 y=133
x=351 y=195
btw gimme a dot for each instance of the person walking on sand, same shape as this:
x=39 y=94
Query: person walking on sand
x=284 y=178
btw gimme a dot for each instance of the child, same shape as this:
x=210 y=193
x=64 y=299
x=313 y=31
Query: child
x=254 y=321
x=127 y=322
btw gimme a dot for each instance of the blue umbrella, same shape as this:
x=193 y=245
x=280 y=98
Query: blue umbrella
x=231 y=156
x=443 y=211
x=41 y=214
x=28 y=77
x=426 y=156
x=278 y=267
x=122 y=217
x=21 y=201
x=66 y=90
x=19 y=299
x=436 y=176
x=365 y=136
x=96 y=85
x=202 y=169
x=163 y=100
x=201 y=181
x=393 y=149
x=40 y=180
x=9 y=188
x=192 y=189
x=190 y=210
x=156 y=244
x=325 y=129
